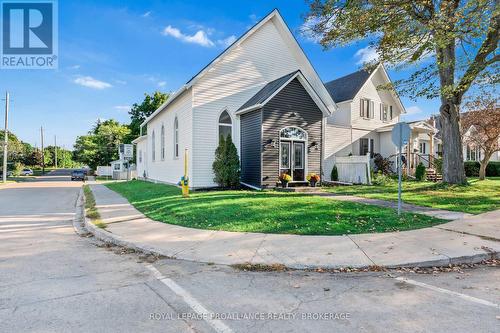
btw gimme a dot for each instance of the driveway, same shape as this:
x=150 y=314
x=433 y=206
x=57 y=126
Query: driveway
x=53 y=280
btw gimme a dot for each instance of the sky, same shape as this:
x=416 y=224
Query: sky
x=112 y=52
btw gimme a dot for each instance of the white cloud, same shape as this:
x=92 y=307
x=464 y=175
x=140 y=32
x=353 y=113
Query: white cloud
x=162 y=84
x=306 y=29
x=74 y=67
x=146 y=14
x=200 y=37
x=412 y=110
x=90 y=82
x=253 y=18
x=122 y=107
x=120 y=82
x=227 y=41
x=366 y=54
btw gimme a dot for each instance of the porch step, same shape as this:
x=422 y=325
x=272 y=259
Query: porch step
x=300 y=189
x=433 y=176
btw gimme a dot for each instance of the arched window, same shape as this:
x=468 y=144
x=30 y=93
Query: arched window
x=293 y=133
x=153 y=146
x=176 y=138
x=225 y=125
x=162 y=142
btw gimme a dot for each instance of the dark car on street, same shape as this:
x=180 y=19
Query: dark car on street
x=78 y=175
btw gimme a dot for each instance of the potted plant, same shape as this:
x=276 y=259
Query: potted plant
x=313 y=178
x=284 y=179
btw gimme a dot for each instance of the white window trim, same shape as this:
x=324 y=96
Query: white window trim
x=162 y=143
x=153 y=146
x=306 y=150
x=220 y=124
x=176 y=139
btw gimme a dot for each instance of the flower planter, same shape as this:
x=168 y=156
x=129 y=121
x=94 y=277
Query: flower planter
x=284 y=184
x=313 y=184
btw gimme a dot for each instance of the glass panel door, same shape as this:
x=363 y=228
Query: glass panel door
x=298 y=161
x=285 y=158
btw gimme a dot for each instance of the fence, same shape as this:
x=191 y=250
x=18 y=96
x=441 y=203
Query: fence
x=354 y=169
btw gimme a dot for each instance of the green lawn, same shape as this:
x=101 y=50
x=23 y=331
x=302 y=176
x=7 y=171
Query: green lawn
x=269 y=212
x=477 y=197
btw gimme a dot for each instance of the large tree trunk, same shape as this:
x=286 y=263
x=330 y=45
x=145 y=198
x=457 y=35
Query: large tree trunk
x=482 y=170
x=453 y=162
x=453 y=165
x=484 y=164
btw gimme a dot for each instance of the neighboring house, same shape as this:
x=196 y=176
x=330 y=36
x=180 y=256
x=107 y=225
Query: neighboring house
x=366 y=118
x=264 y=92
x=469 y=152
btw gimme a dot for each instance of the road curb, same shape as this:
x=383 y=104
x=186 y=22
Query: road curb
x=110 y=238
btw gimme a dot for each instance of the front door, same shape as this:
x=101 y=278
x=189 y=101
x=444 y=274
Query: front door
x=292 y=159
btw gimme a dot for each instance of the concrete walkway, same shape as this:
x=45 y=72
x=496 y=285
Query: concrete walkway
x=471 y=239
x=406 y=207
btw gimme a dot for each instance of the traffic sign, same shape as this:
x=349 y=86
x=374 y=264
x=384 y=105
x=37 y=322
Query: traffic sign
x=402 y=130
x=127 y=150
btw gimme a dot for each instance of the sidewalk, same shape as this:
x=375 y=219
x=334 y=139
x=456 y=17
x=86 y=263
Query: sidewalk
x=471 y=239
x=405 y=207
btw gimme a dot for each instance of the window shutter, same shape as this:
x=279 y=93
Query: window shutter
x=372 y=109
x=381 y=110
x=361 y=109
x=390 y=111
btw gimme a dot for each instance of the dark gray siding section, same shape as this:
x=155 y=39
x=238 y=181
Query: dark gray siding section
x=292 y=106
x=251 y=134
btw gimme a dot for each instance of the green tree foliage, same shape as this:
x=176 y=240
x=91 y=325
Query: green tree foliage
x=226 y=166
x=420 y=172
x=139 y=112
x=100 y=145
x=451 y=44
x=64 y=157
x=15 y=150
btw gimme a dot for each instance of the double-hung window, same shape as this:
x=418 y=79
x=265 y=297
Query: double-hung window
x=366 y=108
x=384 y=112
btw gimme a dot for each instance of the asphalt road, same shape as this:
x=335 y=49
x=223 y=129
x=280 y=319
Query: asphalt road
x=52 y=280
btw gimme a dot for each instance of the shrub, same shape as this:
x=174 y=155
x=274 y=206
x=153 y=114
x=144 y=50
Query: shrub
x=420 y=172
x=493 y=169
x=335 y=174
x=380 y=179
x=226 y=166
x=382 y=164
x=17 y=169
x=471 y=168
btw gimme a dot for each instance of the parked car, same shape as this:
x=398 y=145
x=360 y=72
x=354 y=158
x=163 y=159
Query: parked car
x=27 y=172
x=9 y=173
x=78 y=175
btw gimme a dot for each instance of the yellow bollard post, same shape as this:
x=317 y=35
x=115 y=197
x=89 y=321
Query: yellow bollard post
x=185 y=182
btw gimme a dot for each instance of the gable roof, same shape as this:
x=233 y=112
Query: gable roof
x=346 y=87
x=294 y=44
x=267 y=91
x=264 y=95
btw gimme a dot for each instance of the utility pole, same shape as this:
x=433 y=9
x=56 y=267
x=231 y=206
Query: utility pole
x=6 y=137
x=55 y=151
x=43 y=153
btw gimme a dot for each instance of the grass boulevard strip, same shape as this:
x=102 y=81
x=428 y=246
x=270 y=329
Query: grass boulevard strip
x=267 y=212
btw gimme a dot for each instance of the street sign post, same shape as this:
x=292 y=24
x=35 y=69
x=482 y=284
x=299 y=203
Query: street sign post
x=400 y=136
x=126 y=150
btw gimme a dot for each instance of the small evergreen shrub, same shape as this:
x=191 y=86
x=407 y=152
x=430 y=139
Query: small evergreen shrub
x=335 y=174
x=420 y=172
x=226 y=166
